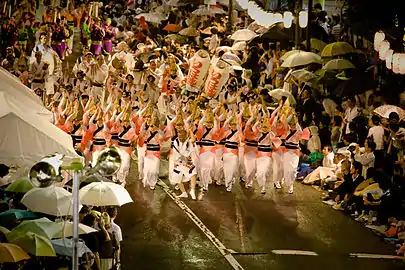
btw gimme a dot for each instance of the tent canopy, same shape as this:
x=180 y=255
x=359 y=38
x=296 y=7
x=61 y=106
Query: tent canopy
x=13 y=87
x=26 y=137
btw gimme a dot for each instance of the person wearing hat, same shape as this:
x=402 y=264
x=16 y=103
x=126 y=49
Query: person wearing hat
x=183 y=170
x=126 y=137
x=250 y=149
x=109 y=35
x=83 y=63
x=152 y=137
x=206 y=136
x=97 y=36
x=264 y=150
x=98 y=74
x=231 y=135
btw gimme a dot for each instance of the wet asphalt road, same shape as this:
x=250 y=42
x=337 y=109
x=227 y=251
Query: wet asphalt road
x=159 y=235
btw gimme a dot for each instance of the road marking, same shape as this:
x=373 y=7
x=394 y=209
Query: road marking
x=376 y=256
x=241 y=227
x=218 y=244
x=294 y=252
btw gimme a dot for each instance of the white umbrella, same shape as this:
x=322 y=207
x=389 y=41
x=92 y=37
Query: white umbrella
x=54 y=201
x=289 y=53
x=104 y=194
x=338 y=64
x=152 y=17
x=64 y=246
x=239 y=46
x=257 y=28
x=189 y=32
x=27 y=137
x=301 y=59
x=278 y=93
x=204 y=11
x=66 y=229
x=233 y=57
x=303 y=75
x=224 y=48
x=243 y=35
x=385 y=110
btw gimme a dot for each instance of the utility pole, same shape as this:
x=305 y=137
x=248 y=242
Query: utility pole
x=298 y=7
x=230 y=8
x=309 y=25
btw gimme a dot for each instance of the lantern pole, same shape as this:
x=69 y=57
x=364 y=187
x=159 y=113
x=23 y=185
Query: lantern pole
x=309 y=25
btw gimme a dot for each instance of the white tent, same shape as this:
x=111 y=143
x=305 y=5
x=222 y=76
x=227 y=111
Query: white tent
x=26 y=138
x=15 y=88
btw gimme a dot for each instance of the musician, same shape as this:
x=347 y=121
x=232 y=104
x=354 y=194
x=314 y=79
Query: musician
x=97 y=36
x=109 y=35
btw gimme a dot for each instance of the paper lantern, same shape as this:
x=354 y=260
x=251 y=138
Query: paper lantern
x=388 y=59
x=378 y=38
x=303 y=19
x=384 y=47
x=288 y=19
x=402 y=63
x=278 y=17
x=395 y=62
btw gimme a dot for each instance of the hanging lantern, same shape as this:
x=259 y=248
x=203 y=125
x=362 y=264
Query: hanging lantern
x=378 y=38
x=402 y=63
x=396 y=62
x=388 y=59
x=288 y=19
x=278 y=17
x=303 y=19
x=384 y=47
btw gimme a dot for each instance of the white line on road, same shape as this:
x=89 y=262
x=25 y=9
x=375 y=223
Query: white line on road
x=294 y=252
x=218 y=244
x=376 y=256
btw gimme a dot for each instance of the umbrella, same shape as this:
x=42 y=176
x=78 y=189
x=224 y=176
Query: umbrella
x=104 y=194
x=7 y=217
x=211 y=11
x=239 y=46
x=21 y=185
x=385 y=110
x=303 y=75
x=274 y=33
x=4 y=230
x=177 y=38
x=35 y=244
x=316 y=44
x=359 y=84
x=224 y=48
x=52 y=200
x=172 y=28
x=66 y=229
x=278 y=93
x=42 y=226
x=10 y=253
x=232 y=57
x=301 y=59
x=257 y=28
x=339 y=64
x=206 y=31
x=337 y=48
x=64 y=246
x=243 y=35
x=189 y=32
x=287 y=54
x=152 y=17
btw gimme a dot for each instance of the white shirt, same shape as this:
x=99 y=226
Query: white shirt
x=328 y=160
x=350 y=114
x=377 y=132
x=117 y=230
x=366 y=159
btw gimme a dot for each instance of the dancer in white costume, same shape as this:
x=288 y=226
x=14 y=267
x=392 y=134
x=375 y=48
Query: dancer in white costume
x=184 y=169
x=232 y=134
x=206 y=135
x=219 y=147
x=153 y=138
x=249 y=157
x=264 y=150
